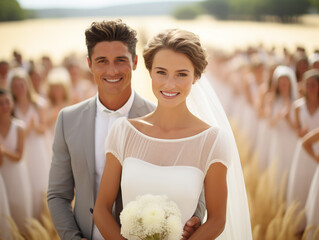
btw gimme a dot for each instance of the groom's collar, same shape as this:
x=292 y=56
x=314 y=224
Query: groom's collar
x=124 y=110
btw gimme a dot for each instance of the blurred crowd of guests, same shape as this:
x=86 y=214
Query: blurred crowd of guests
x=31 y=96
x=272 y=99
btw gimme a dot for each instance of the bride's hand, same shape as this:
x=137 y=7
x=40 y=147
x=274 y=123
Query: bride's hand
x=190 y=227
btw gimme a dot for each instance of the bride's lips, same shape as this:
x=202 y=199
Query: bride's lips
x=169 y=94
x=112 y=80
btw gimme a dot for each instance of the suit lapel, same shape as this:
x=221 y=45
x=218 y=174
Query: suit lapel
x=88 y=138
x=138 y=107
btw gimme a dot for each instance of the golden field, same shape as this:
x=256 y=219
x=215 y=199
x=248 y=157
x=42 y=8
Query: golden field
x=60 y=37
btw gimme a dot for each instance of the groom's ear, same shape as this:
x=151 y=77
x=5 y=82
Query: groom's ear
x=89 y=62
x=135 y=62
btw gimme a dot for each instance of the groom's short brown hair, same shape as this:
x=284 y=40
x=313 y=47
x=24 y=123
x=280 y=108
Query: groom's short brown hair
x=110 y=31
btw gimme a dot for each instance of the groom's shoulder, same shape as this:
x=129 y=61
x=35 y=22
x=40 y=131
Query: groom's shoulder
x=79 y=107
x=143 y=102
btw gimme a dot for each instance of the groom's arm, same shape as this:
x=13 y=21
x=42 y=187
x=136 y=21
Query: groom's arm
x=61 y=187
x=201 y=207
x=194 y=223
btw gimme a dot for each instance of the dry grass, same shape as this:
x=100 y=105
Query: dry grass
x=270 y=217
x=35 y=229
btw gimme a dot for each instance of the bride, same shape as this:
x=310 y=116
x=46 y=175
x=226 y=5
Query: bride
x=185 y=145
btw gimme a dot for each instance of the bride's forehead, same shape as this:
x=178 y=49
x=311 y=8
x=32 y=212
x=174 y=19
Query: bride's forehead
x=171 y=59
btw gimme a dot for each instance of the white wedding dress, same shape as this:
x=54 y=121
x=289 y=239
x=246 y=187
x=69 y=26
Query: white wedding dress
x=174 y=167
x=38 y=164
x=312 y=204
x=16 y=179
x=283 y=141
x=303 y=166
x=4 y=212
x=177 y=167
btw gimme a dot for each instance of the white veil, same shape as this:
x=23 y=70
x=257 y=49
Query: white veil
x=204 y=103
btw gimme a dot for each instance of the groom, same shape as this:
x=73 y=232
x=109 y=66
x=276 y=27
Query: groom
x=78 y=147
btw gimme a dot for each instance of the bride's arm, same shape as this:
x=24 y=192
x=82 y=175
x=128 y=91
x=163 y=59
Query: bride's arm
x=108 y=190
x=216 y=202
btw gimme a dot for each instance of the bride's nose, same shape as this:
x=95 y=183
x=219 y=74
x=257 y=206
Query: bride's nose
x=170 y=82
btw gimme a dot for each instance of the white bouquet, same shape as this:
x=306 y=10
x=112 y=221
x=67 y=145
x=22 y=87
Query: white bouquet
x=151 y=217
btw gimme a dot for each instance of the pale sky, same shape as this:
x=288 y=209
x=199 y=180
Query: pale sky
x=78 y=3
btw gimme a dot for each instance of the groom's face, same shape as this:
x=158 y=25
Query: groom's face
x=111 y=65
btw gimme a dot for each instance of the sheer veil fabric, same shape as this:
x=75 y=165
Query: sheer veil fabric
x=204 y=103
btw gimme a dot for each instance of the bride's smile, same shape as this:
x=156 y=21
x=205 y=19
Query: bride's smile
x=172 y=76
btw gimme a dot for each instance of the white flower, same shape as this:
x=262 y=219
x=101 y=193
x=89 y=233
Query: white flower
x=174 y=227
x=151 y=217
x=130 y=219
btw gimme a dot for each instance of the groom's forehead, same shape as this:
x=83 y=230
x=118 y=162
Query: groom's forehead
x=111 y=49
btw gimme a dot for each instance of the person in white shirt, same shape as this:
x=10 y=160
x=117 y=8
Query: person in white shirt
x=78 y=148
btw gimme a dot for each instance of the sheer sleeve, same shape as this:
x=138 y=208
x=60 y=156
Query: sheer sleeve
x=220 y=152
x=115 y=140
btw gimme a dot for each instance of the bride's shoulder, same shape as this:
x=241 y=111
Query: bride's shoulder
x=200 y=124
x=139 y=123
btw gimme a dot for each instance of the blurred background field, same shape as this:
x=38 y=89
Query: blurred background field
x=58 y=37
x=56 y=34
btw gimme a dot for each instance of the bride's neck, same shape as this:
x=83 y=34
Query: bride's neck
x=171 y=118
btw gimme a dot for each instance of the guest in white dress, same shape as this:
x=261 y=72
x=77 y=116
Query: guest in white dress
x=58 y=93
x=4 y=208
x=314 y=60
x=283 y=136
x=312 y=204
x=26 y=108
x=307 y=119
x=170 y=151
x=263 y=133
x=13 y=170
x=4 y=72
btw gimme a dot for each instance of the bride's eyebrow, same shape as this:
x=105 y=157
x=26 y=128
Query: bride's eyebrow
x=180 y=70
x=161 y=68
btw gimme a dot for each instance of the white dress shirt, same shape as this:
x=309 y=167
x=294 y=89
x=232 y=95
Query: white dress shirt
x=104 y=120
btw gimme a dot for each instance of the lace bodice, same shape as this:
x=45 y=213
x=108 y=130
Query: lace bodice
x=199 y=151
x=173 y=167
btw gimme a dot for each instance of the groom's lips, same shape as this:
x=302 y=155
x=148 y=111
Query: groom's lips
x=112 y=80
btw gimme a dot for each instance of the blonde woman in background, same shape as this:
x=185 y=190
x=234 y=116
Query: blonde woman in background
x=58 y=92
x=307 y=119
x=4 y=203
x=283 y=136
x=28 y=109
x=14 y=170
x=312 y=205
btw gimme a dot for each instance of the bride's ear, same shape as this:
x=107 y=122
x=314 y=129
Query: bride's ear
x=195 y=80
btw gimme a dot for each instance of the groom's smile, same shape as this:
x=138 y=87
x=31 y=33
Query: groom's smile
x=111 y=65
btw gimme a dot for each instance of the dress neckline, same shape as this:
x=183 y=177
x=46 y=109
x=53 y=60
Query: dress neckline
x=168 y=139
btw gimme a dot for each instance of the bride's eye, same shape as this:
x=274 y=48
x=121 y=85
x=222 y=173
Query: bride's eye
x=182 y=75
x=161 y=72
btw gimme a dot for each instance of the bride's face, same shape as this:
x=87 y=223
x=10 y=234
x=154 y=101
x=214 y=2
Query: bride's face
x=172 y=76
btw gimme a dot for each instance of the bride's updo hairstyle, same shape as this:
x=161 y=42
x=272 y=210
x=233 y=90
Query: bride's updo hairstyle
x=180 y=41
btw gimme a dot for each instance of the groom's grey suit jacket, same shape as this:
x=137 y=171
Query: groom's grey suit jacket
x=73 y=168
